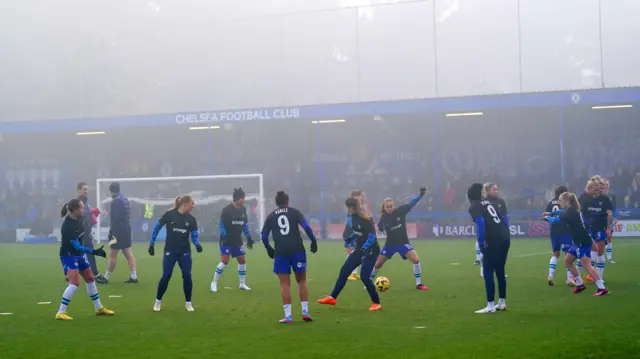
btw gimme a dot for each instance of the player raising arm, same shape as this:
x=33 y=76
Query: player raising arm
x=560 y=238
x=233 y=222
x=180 y=226
x=289 y=252
x=73 y=256
x=365 y=252
x=120 y=233
x=582 y=241
x=494 y=242
x=393 y=221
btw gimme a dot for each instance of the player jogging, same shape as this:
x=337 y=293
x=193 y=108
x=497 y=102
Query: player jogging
x=349 y=237
x=120 y=233
x=180 y=225
x=73 y=256
x=83 y=195
x=365 y=252
x=598 y=211
x=393 y=222
x=494 y=241
x=289 y=252
x=570 y=214
x=560 y=238
x=233 y=222
x=614 y=221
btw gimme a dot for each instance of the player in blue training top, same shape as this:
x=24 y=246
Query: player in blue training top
x=570 y=213
x=614 y=221
x=289 y=252
x=598 y=213
x=180 y=226
x=494 y=241
x=393 y=222
x=73 y=256
x=233 y=223
x=365 y=253
x=120 y=233
x=349 y=237
x=560 y=238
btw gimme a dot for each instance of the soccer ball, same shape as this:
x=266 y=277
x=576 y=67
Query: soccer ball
x=382 y=284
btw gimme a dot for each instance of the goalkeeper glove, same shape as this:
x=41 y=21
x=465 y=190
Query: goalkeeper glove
x=250 y=243
x=314 y=246
x=199 y=248
x=423 y=190
x=270 y=251
x=152 y=250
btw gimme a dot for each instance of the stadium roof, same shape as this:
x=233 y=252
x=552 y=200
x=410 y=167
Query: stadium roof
x=422 y=106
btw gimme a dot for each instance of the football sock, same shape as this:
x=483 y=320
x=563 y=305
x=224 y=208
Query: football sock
x=92 y=290
x=287 y=310
x=133 y=274
x=600 y=266
x=219 y=270
x=609 y=251
x=553 y=262
x=242 y=272
x=66 y=297
x=107 y=275
x=417 y=273
x=305 y=308
x=478 y=253
x=600 y=284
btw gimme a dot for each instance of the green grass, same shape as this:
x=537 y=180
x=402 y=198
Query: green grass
x=543 y=322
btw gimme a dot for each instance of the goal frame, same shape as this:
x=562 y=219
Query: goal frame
x=259 y=176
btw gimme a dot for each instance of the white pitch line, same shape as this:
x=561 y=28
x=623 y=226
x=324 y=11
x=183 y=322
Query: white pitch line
x=6 y=313
x=227 y=287
x=43 y=303
x=419 y=327
x=115 y=296
x=455 y=264
x=541 y=253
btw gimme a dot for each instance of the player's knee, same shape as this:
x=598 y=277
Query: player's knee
x=241 y=260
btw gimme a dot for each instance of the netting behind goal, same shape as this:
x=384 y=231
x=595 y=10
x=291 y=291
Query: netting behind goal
x=151 y=197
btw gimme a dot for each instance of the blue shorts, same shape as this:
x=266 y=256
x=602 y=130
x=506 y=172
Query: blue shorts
x=600 y=235
x=233 y=251
x=389 y=251
x=283 y=264
x=580 y=251
x=79 y=263
x=563 y=242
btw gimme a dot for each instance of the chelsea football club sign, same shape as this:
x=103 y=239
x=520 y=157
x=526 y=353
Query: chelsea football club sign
x=231 y=116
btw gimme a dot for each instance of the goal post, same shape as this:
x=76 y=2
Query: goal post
x=150 y=197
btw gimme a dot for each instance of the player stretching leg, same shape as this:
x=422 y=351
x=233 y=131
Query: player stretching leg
x=490 y=193
x=120 y=233
x=582 y=241
x=349 y=237
x=494 y=240
x=180 y=225
x=365 y=253
x=233 y=222
x=73 y=256
x=560 y=238
x=289 y=252
x=613 y=221
x=393 y=221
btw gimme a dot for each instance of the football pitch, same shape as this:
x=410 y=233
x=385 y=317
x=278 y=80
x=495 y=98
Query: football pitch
x=542 y=321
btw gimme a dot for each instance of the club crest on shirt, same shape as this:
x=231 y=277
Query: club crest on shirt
x=186 y=224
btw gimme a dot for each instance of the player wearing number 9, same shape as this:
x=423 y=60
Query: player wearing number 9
x=494 y=242
x=289 y=252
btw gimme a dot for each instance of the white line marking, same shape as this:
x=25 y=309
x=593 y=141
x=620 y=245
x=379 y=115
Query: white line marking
x=549 y=252
x=43 y=303
x=455 y=264
x=6 y=313
x=419 y=327
x=227 y=288
x=115 y=296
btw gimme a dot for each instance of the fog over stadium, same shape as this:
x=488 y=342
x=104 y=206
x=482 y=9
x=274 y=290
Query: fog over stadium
x=316 y=98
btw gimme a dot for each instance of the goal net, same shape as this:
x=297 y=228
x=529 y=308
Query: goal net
x=150 y=197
